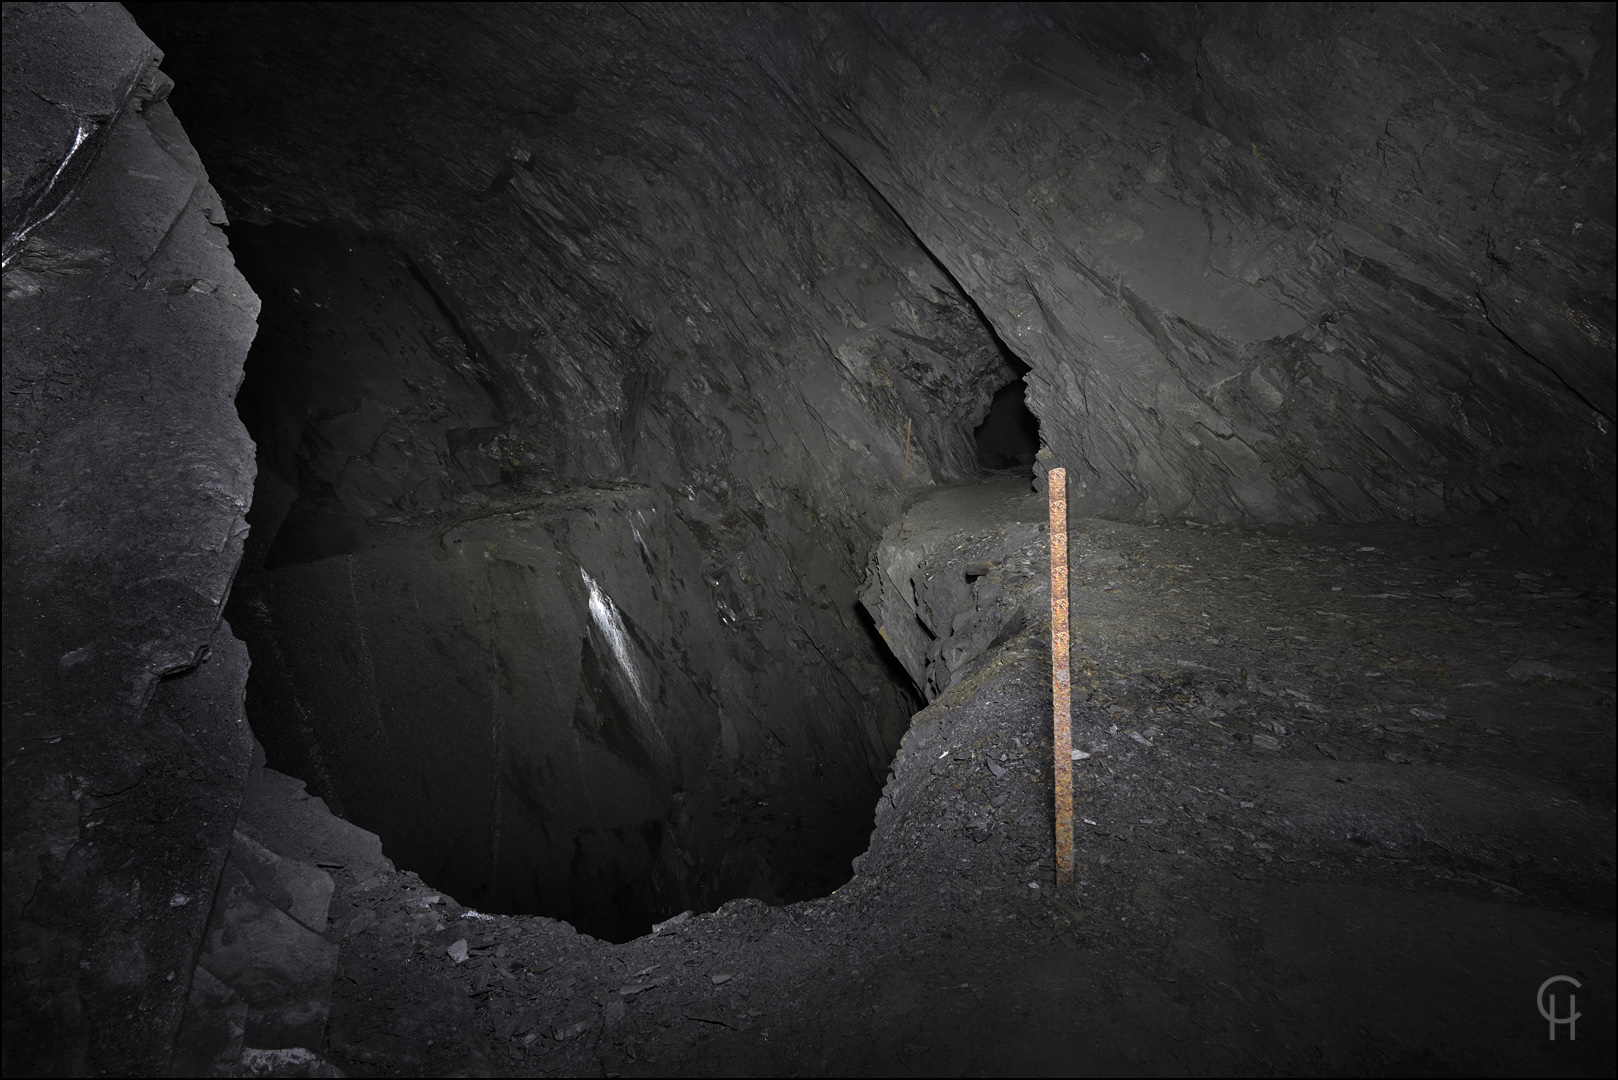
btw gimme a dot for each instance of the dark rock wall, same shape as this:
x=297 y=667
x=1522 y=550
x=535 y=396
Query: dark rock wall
x=1268 y=262
x=126 y=475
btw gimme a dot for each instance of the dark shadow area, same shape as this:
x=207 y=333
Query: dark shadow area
x=1008 y=438
x=471 y=691
x=362 y=393
x=896 y=670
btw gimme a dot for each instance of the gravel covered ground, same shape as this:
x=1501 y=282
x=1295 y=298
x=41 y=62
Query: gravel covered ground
x=1348 y=802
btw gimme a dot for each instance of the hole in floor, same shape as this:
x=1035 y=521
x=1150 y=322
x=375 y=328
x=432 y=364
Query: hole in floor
x=526 y=688
x=1008 y=438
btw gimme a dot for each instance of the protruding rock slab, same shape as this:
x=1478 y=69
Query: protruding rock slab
x=300 y=890
x=279 y=813
x=261 y=993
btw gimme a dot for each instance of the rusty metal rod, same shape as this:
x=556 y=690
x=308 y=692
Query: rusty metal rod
x=1061 y=682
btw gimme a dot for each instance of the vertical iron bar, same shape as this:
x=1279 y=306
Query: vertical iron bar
x=1061 y=682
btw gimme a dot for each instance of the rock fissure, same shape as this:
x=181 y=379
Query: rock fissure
x=1606 y=414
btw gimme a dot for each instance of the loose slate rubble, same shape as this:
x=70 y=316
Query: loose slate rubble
x=1242 y=901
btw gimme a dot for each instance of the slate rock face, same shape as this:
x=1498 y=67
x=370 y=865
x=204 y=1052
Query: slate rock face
x=1274 y=263
x=126 y=474
x=1267 y=264
x=962 y=572
x=261 y=993
x=80 y=72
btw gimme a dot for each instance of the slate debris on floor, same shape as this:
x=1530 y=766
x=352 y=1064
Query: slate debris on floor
x=1245 y=900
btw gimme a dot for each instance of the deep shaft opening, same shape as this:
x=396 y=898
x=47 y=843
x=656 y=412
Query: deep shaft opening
x=459 y=651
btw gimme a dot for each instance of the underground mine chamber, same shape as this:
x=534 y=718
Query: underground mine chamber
x=606 y=349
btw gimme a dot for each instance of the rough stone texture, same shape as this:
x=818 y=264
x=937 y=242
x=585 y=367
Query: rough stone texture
x=586 y=753
x=80 y=68
x=751 y=275
x=280 y=968
x=1268 y=263
x=936 y=616
x=1326 y=827
x=574 y=445
x=126 y=475
x=734 y=260
x=261 y=993
x=295 y=887
x=209 y=1040
x=764 y=268
x=280 y=814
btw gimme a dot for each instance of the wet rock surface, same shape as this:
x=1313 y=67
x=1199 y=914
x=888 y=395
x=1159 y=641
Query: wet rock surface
x=561 y=678
x=510 y=269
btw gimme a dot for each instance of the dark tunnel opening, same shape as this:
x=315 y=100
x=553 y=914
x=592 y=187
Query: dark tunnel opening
x=1008 y=438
